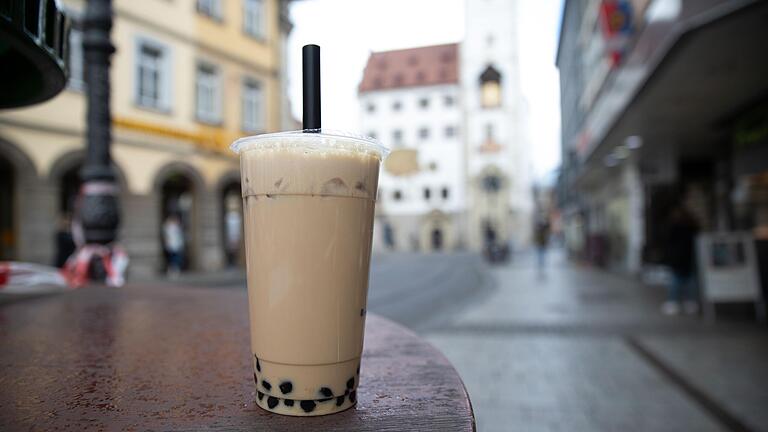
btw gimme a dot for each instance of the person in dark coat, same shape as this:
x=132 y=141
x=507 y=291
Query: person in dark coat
x=65 y=245
x=541 y=241
x=681 y=259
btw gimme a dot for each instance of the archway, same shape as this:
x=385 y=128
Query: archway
x=437 y=239
x=17 y=233
x=489 y=232
x=437 y=232
x=231 y=211
x=8 y=237
x=69 y=187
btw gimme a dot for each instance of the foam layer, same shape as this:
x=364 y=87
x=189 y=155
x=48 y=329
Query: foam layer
x=313 y=140
x=298 y=171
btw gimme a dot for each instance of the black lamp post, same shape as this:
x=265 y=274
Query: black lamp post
x=99 y=212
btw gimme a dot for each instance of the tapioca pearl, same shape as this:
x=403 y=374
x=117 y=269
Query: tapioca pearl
x=351 y=383
x=288 y=402
x=362 y=312
x=272 y=402
x=307 y=405
x=353 y=396
x=286 y=387
x=339 y=400
x=260 y=395
x=258 y=365
x=267 y=386
x=325 y=391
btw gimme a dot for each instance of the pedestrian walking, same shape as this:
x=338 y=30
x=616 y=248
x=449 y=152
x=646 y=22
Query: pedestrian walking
x=541 y=241
x=680 y=251
x=173 y=237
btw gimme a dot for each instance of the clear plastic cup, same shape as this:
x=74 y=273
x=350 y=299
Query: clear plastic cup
x=308 y=203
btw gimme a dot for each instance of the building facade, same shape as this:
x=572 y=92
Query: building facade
x=410 y=99
x=454 y=115
x=187 y=79
x=663 y=104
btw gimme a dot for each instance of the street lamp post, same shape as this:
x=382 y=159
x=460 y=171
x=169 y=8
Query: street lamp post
x=99 y=211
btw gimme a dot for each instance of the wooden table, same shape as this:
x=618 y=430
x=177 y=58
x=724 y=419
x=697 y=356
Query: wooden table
x=177 y=358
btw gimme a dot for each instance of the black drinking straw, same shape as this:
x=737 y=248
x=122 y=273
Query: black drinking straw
x=311 y=73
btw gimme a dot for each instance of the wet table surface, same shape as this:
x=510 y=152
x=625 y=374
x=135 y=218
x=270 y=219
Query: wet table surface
x=146 y=358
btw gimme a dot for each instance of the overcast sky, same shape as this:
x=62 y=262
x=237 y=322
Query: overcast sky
x=349 y=30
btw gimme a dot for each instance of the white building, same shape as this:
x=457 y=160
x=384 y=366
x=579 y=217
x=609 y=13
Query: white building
x=497 y=145
x=454 y=115
x=410 y=99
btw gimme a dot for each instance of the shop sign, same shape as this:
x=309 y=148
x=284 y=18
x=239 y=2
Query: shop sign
x=616 y=23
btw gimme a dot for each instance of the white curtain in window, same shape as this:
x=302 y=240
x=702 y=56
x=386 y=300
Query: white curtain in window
x=208 y=94
x=149 y=65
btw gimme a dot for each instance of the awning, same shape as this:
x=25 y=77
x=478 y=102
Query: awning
x=716 y=69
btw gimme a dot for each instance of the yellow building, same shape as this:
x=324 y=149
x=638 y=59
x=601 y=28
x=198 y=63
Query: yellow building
x=188 y=77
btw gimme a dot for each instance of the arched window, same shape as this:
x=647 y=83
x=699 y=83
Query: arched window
x=490 y=88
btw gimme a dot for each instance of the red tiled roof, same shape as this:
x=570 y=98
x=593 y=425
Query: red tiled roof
x=423 y=66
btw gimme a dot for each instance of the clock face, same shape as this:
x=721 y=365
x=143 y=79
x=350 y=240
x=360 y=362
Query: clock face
x=491 y=183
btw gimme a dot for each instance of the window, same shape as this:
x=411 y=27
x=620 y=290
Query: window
x=76 y=69
x=424 y=103
x=396 y=106
x=450 y=131
x=397 y=195
x=397 y=136
x=490 y=95
x=211 y=8
x=427 y=193
x=491 y=183
x=253 y=18
x=153 y=72
x=445 y=193
x=253 y=106
x=448 y=100
x=433 y=166
x=490 y=88
x=370 y=108
x=208 y=94
x=424 y=133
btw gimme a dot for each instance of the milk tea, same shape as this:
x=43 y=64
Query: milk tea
x=308 y=202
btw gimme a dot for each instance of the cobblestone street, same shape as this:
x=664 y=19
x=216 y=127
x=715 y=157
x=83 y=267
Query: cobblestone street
x=580 y=350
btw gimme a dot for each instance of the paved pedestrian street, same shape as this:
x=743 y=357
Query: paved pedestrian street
x=577 y=350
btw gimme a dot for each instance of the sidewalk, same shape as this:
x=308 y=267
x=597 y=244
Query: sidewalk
x=584 y=350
